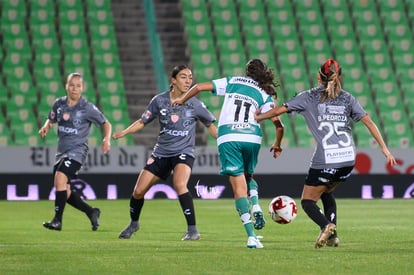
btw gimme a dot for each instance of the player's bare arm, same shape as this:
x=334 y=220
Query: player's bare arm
x=136 y=126
x=271 y=113
x=373 y=129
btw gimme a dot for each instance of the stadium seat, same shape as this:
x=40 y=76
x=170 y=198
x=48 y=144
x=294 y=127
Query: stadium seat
x=22 y=121
x=304 y=136
x=45 y=41
x=51 y=138
x=228 y=39
x=269 y=134
x=13 y=11
x=47 y=77
x=312 y=31
x=195 y=12
x=399 y=135
x=362 y=137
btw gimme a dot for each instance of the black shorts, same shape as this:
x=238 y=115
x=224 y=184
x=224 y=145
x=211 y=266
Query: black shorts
x=328 y=176
x=69 y=167
x=162 y=167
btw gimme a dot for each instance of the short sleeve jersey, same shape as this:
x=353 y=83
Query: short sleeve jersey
x=329 y=122
x=74 y=124
x=177 y=124
x=242 y=97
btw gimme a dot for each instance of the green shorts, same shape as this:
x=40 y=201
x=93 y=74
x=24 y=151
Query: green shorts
x=238 y=157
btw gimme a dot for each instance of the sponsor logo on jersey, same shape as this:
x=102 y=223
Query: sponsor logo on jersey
x=77 y=122
x=332 y=109
x=187 y=123
x=67 y=130
x=240 y=126
x=175 y=133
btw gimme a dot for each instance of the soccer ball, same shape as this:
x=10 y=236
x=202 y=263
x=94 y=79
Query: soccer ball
x=283 y=209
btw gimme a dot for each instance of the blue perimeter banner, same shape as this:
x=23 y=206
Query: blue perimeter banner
x=15 y=187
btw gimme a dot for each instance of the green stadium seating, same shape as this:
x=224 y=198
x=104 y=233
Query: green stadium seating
x=228 y=39
x=13 y=11
x=51 y=138
x=269 y=134
x=314 y=38
x=47 y=79
x=200 y=41
x=362 y=137
x=45 y=41
x=304 y=136
x=5 y=135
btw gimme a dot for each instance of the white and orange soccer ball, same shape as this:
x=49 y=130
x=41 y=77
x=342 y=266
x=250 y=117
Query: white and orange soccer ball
x=283 y=209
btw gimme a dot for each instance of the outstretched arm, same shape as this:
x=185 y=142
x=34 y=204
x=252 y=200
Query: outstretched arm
x=271 y=113
x=106 y=141
x=45 y=128
x=197 y=88
x=373 y=129
x=136 y=126
x=212 y=130
x=280 y=129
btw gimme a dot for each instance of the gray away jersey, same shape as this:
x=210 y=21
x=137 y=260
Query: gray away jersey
x=177 y=124
x=329 y=123
x=74 y=124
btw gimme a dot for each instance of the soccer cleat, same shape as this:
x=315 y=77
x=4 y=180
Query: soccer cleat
x=259 y=221
x=323 y=237
x=253 y=242
x=333 y=241
x=129 y=230
x=53 y=225
x=191 y=236
x=94 y=218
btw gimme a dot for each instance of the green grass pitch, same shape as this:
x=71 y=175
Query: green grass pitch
x=377 y=237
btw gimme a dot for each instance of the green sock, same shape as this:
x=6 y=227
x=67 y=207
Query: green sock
x=252 y=186
x=242 y=207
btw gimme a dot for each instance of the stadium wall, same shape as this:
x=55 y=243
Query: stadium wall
x=25 y=174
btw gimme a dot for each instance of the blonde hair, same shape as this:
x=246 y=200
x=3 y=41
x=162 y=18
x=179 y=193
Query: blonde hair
x=330 y=78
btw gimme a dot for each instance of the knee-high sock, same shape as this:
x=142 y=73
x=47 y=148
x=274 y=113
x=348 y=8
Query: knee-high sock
x=242 y=207
x=187 y=205
x=253 y=190
x=60 y=202
x=76 y=201
x=329 y=206
x=135 y=207
x=314 y=212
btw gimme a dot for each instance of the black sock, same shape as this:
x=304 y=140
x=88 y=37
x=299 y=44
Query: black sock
x=135 y=207
x=60 y=202
x=187 y=205
x=76 y=201
x=314 y=212
x=329 y=206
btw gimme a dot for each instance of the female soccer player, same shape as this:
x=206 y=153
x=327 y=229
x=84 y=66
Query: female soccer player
x=328 y=111
x=174 y=150
x=240 y=136
x=74 y=116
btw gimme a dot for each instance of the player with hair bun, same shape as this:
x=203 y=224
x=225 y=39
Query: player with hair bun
x=328 y=111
